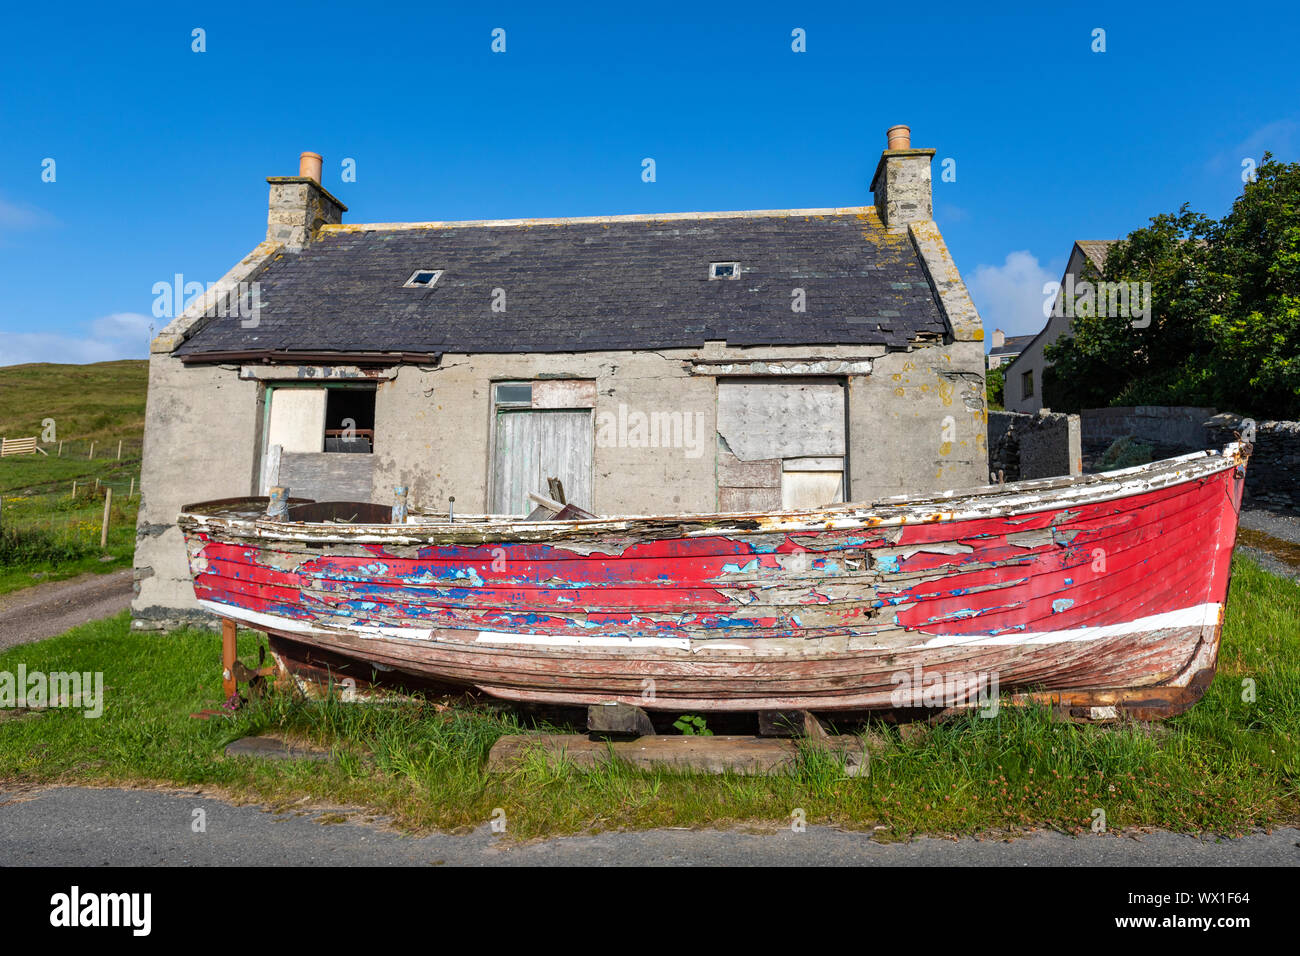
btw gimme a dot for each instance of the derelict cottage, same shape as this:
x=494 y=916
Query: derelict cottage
x=655 y=364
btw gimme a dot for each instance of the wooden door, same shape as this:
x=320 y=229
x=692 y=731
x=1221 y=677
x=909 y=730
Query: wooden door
x=533 y=445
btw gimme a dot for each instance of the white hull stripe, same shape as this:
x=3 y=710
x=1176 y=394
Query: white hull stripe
x=1202 y=615
x=308 y=627
x=1199 y=616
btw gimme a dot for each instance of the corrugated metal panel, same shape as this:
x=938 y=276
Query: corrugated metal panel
x=532 y=446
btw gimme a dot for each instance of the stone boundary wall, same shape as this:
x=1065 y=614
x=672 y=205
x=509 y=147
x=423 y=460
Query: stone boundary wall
x=1272 y=477
x=1046 y=445
x=1273 y=474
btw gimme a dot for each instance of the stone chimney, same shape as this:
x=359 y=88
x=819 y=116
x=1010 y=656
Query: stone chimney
x=902 y=181
x=999 y=339
x=300 y=205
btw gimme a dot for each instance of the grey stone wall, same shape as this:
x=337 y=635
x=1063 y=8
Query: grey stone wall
x=1034 y=446
x=1272 y=477
x=1172 y=430
x=1273 y=473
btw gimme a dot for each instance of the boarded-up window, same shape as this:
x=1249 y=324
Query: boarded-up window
x=296 y=454
x=297 y=420
x=542 y=430
x=781 y=444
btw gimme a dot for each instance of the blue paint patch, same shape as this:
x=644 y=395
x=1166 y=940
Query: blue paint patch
x=1061 y=604
x=1069 y=580
x=887 y=563
x=737 y=569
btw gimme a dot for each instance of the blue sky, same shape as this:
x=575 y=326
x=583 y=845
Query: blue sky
x=161 y=153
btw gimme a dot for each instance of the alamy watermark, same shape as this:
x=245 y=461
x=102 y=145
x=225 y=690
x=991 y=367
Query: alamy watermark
x=946 y=689
x=242 y=301
x=36 y=690
x=628 y=428
x=1111 y=300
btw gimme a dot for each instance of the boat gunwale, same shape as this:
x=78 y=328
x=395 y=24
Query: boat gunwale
x=984 y=501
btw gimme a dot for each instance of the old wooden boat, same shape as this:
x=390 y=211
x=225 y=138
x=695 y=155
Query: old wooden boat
x=1103 y=594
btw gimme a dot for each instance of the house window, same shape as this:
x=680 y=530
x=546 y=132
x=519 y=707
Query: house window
x=311 y=420
x=1027 y=384
x=781 y=443
x=350 y=420
x=724 y=270
x=423 y=279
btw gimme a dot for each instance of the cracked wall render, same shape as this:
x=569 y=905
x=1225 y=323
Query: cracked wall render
x=433 y=434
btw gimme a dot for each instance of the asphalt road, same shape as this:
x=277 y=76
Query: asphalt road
x=45 y=610
x=72 y=826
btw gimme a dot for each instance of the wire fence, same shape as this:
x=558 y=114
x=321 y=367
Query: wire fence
x=86 y=449
x=69 y=500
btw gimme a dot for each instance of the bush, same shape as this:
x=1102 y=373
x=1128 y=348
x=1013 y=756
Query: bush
x=31 y=546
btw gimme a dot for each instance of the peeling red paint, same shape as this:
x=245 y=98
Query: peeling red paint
x=817 y=609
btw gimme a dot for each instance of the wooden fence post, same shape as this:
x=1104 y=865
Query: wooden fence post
x=119 y=449
x=108 y=503
x=131 y=493
x=92 y=452
x=60 y=454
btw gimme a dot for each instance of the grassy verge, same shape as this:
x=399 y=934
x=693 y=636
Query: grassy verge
x=52 y=537
x=1228 y=765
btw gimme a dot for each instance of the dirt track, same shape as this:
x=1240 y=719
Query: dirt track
x=48 y=609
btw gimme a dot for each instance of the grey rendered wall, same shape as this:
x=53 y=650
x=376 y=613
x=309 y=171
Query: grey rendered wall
x=202 y=432
x=916 y=424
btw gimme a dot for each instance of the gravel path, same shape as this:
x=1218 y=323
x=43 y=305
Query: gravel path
x=45 y=610
x=1283 y=526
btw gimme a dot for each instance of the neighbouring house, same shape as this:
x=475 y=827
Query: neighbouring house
x=1023 y=389
x=655 y=364
x=1006 y=348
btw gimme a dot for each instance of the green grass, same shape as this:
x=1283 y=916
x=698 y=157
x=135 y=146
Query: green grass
x=1226 y=766
x=102 y=402
x=54 y=536
x=45 y=535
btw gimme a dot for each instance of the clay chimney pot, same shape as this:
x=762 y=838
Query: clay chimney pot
x=309 y=166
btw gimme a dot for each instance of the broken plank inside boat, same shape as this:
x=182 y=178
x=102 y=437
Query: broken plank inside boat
x=1103 y=593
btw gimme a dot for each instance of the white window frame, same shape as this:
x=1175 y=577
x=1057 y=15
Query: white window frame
x=412 y=284
x=735 y=270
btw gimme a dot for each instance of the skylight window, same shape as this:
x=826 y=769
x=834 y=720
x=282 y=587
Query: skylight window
x=724 y=270
x=423 y=279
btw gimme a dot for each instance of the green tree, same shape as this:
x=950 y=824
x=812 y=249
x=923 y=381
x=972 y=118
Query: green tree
x=1225 y=312
x=994 y=383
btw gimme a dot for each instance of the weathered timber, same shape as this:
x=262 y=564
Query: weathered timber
x=1084 y=588
x=275 y=748
x=714 y=755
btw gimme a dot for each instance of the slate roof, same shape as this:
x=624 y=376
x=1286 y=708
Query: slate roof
x=1014 y=344
x=614 y=283
x=1096 y=250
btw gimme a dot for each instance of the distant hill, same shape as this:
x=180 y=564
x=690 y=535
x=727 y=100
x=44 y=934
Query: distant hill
x=101 y=401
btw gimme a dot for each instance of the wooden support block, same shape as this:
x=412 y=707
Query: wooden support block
x=714 y=755
x=619 y=718
x=790 y=723
x=228 y=632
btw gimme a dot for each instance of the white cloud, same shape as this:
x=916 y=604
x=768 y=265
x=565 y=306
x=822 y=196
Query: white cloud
x=1281 y=138
x=1010 y=296
x=117 y=336
x=16 y=216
